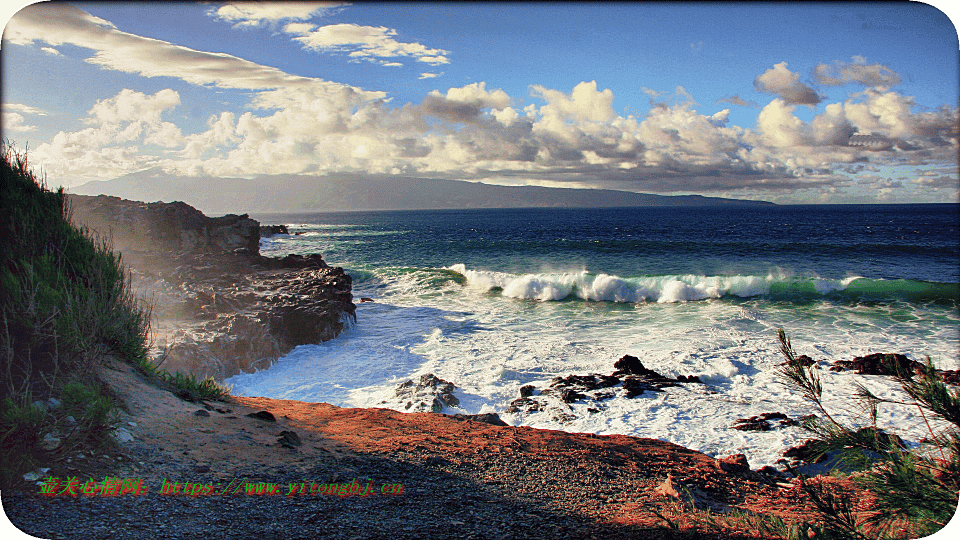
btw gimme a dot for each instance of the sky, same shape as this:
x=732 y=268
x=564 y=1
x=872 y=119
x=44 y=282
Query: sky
x=790 y=103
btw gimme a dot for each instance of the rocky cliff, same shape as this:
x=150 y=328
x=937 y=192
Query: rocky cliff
x=220 y=307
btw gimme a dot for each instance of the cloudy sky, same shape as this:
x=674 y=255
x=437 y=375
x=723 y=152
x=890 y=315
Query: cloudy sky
x=802 y=103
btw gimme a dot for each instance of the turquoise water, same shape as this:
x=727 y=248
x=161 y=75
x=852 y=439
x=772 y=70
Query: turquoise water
x=492 y=300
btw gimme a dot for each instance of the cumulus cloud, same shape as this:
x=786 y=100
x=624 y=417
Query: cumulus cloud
x=111 y=146
x=252 y=14
x=363 y=42
x=877 y=76
x=464 y=104
x=781 y=81
x=567 y=136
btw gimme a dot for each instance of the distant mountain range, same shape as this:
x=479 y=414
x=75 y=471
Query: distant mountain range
x=300 y=193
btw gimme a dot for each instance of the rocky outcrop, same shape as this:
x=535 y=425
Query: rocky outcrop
x=631 y=376
x=430 y=393
x=220 y=307
x=765 y=422
x=176 y=228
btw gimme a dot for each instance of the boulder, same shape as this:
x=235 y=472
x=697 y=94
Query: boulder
x=430 y=393
x=735 y=464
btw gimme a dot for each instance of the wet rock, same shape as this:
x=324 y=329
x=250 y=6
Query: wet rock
x=879 y=364
x=631 y=366
x=429 y=393
x=765 y=422
x=270 y=230
x=527 y=390
x=524 y=404
x=585 y=383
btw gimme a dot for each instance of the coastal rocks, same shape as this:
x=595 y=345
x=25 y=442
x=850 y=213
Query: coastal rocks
x=765 y=422
x=164 y=227
x=221 y=307
x=430 y=393
x=878 y=364
x=631 y=376
x=891 y=365
x=270 y=230
x=487 y=418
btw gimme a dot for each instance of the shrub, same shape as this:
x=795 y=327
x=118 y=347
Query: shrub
x=916 y=492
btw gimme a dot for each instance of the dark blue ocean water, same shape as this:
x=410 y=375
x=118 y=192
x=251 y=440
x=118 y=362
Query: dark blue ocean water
x=911 y=242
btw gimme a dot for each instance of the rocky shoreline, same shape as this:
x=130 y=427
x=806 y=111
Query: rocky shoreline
x=221 y=308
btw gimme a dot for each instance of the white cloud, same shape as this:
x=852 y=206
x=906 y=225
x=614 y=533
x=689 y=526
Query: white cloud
x=50 y=50
x=251 y=14
x=366 y=42
x=25 y=109
x=786 y=84
x=873 y=75
x=302 y=125
x=57 y=24
x=15 y=122
x=428 y=75
x=111 y=146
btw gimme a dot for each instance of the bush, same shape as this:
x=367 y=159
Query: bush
x=916 y=492
x=65 y=301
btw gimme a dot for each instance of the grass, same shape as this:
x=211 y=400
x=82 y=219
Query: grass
x=66 y=302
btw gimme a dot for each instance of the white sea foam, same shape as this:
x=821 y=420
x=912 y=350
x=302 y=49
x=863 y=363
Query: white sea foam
x=491 y=345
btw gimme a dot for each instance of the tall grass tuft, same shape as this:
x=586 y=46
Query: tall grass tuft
x=65 y=302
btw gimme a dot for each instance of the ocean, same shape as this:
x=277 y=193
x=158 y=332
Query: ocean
x=493 y=300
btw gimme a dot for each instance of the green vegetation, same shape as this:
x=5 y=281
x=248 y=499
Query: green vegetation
x=65 y=303
x=916 y=491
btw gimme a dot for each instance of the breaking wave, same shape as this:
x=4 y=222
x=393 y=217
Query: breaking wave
x=583 y=285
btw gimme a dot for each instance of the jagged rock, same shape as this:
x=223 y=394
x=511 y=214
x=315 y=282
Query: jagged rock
x=763 y=422
x=631 y=366
x=879 y=364
x=270 y=230
x=430 y=393
x=164 y=227
x=527 y=390
x=569 y=396
x=524 y=404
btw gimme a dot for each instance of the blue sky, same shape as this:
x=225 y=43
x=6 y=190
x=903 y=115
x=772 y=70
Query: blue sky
x=793 y=103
